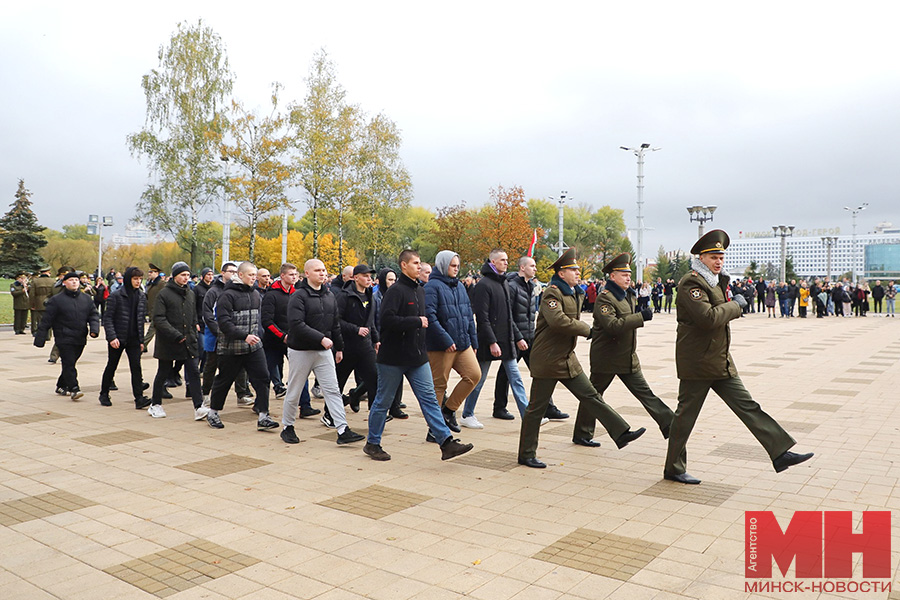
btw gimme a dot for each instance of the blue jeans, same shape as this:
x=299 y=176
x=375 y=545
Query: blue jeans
x=390 y=378
x=515 y=383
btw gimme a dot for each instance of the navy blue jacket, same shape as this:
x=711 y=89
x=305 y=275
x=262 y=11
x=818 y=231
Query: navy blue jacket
x=449 y=312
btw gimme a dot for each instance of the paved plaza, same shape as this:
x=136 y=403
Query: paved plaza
x=107 y=503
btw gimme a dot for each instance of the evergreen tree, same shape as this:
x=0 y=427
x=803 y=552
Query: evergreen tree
x=21 y=236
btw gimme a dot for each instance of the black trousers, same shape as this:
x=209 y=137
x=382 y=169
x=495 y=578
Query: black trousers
x=359 y=358
x=275 y=355
x=69 y=355
x=668 y=303
x=229 y=367
x=133 y=350
x=878 y=305
x=241 y=387
x=167 y=369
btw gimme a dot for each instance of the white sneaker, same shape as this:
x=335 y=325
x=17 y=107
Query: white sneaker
x=200 y=413
x=205 y=401
x=471 y=422
x=544 y=421
x=316 y=392
x=156 y=411
x=245 y=401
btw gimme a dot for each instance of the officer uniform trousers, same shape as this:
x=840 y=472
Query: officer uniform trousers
x=692 y=393
x=589 y=400
x=639 y=388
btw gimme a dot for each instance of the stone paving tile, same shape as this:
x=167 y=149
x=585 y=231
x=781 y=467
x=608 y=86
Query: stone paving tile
x=32 y=418
x=605 y=554
x=870 y=371
x=707 y=493
x=375 y=501
x=29 y=508
x=818 y=406
x=112 y=438
x=180 y=568
x=829 y=392
x=852 y=380
x=751 y=452
x=30 y=379
x=799 y=426
x=223 y=465
x=497 y=460
x=239 y=416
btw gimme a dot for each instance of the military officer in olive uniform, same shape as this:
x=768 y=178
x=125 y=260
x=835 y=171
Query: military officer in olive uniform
x=703 y=361
x=614 y=350
x=41 y=289
x=19 y=291
x=557 y=330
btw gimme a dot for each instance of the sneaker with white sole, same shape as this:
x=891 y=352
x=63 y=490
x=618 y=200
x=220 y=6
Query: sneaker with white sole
x=471 y=422
x=245 y=401
x=213 y=420
x=316 y=392
x=327 y=421
x=266 y=423
x=156 y=411
x=544 y=421
x=200 y=413
x=76 y=394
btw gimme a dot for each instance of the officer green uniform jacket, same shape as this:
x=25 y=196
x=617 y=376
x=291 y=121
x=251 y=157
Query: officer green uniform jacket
x=614 y=337
x=20 y=296
x=704 y=336
x=557 y=330
x=41 y=289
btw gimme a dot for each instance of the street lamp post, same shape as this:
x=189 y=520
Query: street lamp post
x=701 y=214
x=853 y=261
x=639 y=152
x=560 y=246
x=226 y=227
x=783 y=231
x=829 y=243
x=284 y=236
x=95 y=227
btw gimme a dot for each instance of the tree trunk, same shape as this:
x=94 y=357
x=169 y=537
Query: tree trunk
x=315 y=210
x=341 y=237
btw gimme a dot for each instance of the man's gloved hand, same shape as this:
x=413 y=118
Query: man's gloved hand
x=647 y=314
x=741 y=301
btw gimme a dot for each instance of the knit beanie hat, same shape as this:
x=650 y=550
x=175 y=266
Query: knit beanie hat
x=180 y=267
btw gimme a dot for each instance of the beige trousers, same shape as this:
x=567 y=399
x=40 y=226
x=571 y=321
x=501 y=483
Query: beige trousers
x=464 y=363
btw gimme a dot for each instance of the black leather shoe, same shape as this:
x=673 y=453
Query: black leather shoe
x=166 y=394
x=113 y=387
x=398 y=414
x=104 y=400
x=681 y=478
x=554 y=414
x=141 y=403
x=533 y=463
x=450 y=420
x=145 y=386
x=789 y=459
x=504 y=415
x=430 y=438
x=170 y=383
x=585 y=442
x=628 y=437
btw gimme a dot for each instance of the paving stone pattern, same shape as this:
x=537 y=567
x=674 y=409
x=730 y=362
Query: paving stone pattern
x=375 y=501
x=605 y=554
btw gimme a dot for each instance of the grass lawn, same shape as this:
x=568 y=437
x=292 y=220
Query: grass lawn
x=6 y=302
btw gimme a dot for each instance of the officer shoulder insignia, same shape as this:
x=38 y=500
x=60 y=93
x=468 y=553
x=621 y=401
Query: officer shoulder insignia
x=605 y=309
x=552 y=303
x=696 y=294
x=605 y=292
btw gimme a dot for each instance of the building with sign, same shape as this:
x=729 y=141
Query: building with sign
x=809 y=252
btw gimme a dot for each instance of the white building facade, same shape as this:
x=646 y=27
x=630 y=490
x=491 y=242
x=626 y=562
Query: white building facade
x=807 y=250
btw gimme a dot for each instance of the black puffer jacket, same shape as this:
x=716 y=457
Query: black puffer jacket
x=200 y=294
x=273 y=312
x=237 y=313
x=175 y=318
x=313 y=315
x=70 y=314
x=209 y=304
x=126 y=309
x=402 y=334
x=521 y=296
x=493 y=316
x=356 y=310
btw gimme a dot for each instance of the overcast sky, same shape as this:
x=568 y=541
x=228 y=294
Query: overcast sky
x=776 y=112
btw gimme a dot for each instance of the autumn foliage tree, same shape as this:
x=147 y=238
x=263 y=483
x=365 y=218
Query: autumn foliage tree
x=257 y=147
x=503 y=223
